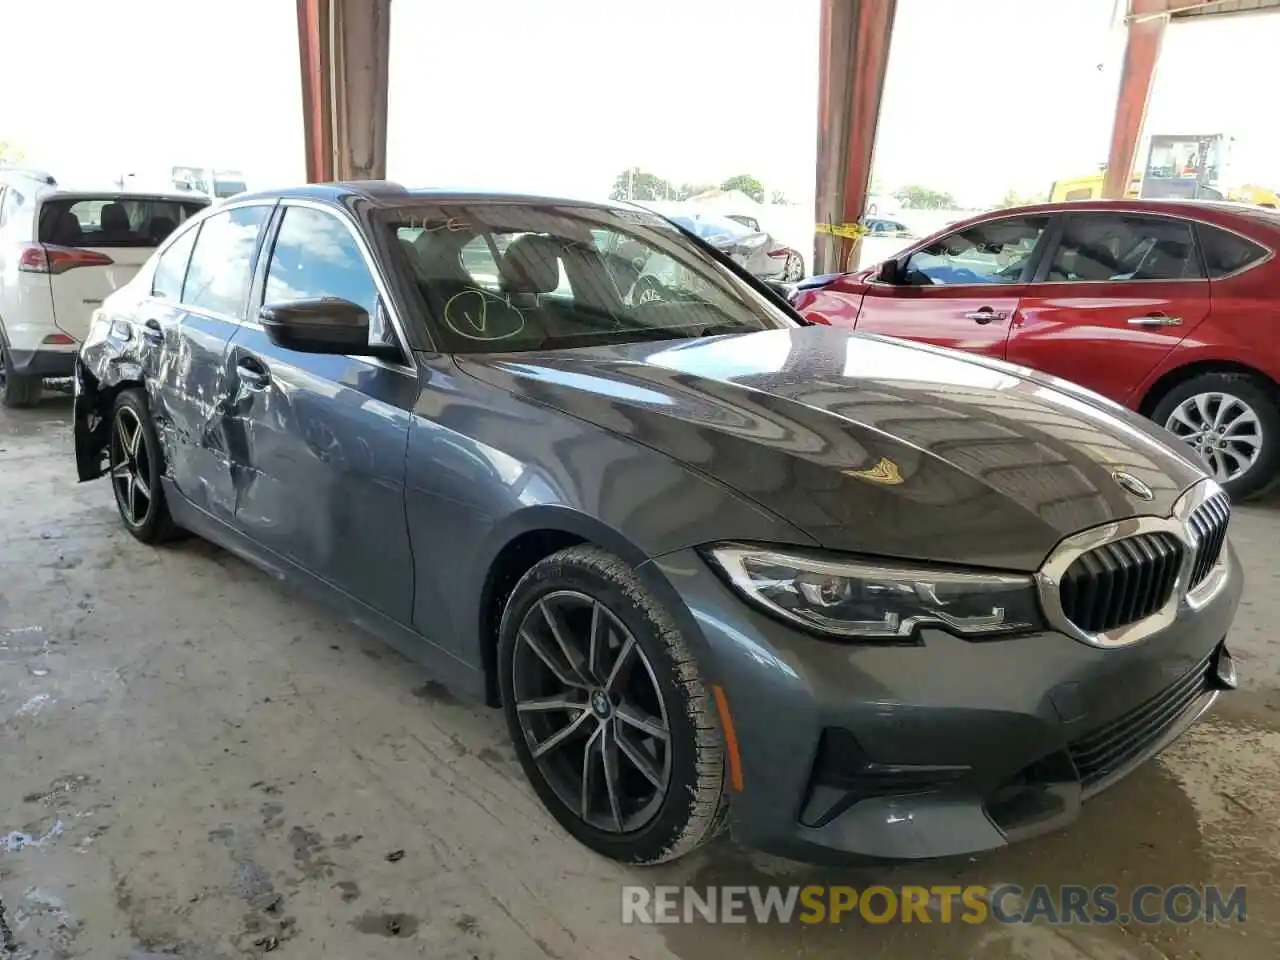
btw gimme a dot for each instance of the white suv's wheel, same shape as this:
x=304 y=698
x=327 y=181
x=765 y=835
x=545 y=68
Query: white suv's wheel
x=16 y=390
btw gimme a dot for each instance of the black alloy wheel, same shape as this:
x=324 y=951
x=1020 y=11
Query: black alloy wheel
x=604 y=704
x=130 y=469
x=590 y=711
x=134 y=466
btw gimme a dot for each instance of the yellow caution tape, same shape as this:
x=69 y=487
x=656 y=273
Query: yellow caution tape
x=847 y=231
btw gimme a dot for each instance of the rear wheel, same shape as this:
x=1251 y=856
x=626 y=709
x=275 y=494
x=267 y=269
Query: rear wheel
x=648 y=290
x=1231 y=420
x=794 y=269
x=609 y=717
x=16 y=390
x=136 y=468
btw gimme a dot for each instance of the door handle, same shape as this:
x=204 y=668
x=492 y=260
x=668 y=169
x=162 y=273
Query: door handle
x=1154 y=320
x=152 y=330
x=252 y=373
x=986 y=315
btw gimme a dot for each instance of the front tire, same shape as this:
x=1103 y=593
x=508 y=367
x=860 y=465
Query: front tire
x=136 y=469
x=1232 y=421
x=609 y=716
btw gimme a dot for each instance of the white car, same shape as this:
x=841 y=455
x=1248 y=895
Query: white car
x=61 y=253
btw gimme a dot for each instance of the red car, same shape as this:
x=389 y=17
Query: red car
x=1171 y=308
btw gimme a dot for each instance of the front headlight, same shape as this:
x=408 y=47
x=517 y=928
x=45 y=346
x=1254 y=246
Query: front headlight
x=887 y=600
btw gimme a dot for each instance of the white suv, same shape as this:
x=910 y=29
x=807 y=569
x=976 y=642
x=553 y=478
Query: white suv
x=61 y=253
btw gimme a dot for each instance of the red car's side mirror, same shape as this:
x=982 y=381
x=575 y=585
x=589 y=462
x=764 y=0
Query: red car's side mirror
x=889 y=272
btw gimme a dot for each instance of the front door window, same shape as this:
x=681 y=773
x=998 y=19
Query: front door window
x=987 y=253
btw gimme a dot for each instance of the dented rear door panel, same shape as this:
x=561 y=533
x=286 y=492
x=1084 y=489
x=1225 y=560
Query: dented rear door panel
x=185 y=367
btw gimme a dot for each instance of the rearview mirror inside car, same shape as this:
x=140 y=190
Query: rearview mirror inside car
x=323 y=325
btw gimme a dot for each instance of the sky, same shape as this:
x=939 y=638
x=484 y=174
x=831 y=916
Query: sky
x=558 y=96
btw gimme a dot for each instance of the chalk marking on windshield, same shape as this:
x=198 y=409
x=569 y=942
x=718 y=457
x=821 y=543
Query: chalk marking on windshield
x=472 y=321
x=432 y=225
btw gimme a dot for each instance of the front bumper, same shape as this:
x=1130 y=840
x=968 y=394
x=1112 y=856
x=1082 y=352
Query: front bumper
x=951 y=747
x=44 y=363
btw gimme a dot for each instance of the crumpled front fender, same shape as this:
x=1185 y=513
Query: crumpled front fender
x=108 y=362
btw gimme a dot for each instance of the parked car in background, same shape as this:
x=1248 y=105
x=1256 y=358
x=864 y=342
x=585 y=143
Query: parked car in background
x=877 y=227
x=854 y=596
x=1170 y=308
x=62 y=252
x=216 y=184
x=749 y=246
x=794 y=269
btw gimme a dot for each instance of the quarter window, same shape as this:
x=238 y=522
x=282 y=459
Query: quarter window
x=171 y=268
x=1226 y=252
x=995 y=252
x=222 y=263
x=1109 y=248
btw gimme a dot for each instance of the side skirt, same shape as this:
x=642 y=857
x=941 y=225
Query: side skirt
x=452 y=672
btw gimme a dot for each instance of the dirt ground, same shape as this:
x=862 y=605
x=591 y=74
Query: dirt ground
x=194 y=763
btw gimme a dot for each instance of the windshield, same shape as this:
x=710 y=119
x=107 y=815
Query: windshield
x=506 y=277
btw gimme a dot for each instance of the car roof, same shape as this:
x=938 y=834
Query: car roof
x=182 y=196
x=1221 y=212
x=1208 y=209
x=387 y=194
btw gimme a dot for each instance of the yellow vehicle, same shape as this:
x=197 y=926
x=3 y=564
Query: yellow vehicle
x=1187 y=166
x=1088 y=188
x=1252 y=193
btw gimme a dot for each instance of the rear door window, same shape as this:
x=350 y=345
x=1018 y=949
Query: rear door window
x=112 y=221
x=1225 y=252
x=221 y=267
x=1107 y=248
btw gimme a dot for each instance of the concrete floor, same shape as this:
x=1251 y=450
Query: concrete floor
x=196 y=764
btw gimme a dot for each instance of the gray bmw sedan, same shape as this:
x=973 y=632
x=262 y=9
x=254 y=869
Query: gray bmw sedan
x=850 y=596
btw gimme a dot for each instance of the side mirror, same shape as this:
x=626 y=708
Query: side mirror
x=889 y=272
x=323 y=325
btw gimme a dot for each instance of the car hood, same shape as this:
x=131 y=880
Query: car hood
x=870 y=444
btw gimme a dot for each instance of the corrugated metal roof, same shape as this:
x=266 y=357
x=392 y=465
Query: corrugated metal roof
x=1223 y=7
